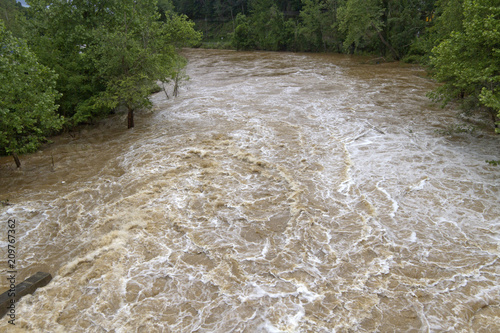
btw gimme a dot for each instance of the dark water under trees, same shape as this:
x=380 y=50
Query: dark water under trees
x=278 y=193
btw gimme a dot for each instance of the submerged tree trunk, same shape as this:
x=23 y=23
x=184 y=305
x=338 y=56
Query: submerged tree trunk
x=16 y=159
x=130 y=117
x=177 y=79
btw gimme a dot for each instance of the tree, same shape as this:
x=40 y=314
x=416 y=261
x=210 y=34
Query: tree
x=468 y=62
x=313 y=23
x=61 y=33
x=447 y=17
x=268 y=26
x=11 y=12
x=127 y=54
x=197 y=9
x=27 y=108
x=318 y=29
x=228 y=9
x=405 y=22
x=108 y=53
x=139 y=51
x=393 y=25
x=242 y=37
x=358 y=19
x=165 y=7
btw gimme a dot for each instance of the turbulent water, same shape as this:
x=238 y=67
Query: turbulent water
x=277 y=193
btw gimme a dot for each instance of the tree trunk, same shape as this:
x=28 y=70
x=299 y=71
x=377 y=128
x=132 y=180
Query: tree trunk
x=130 y=118
x=232 y=19
x=176 y=84
x=16 y=159
x=389 y=46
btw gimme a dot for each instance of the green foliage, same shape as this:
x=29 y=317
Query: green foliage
x=373 y=26
x=419 y=50
x=211 y=10
x=242 y=38
x=268 y=26
x=27 y=108
x=12 y=14
x=448 y=17
x=228 y=9
x=164 y=8
x=404 y=23
x=318 y=26
x=468 y=62
x=107 y=53
x=179 y=31
x=314 y=25
x=387 y=26
x=60 y=34
x=360 y=20
x=440 y=19
x=311 y=29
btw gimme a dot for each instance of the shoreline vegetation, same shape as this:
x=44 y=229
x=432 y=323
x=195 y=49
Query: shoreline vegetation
x=85 y=59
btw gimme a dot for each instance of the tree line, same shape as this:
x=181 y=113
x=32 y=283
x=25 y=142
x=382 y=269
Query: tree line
x=63 y=63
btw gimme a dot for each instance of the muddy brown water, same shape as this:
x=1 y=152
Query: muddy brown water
x=277 y=193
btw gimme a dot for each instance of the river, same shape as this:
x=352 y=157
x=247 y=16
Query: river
x=278 y=192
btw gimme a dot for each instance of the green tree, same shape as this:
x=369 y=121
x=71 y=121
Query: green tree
x=440 y=19
x=195 y=9
x=61 y=33
x=165 y=7
x=390 y=26
x=268 y=25
x=138 y=52
x=27 y=108
x=318 y=29
x=108 y=53
x=12 y=13
x=313 y=23
x=405 y=22
x=468 y=62
x=243 y=38
x=227 y=10
x=361 y=21
x=447 y=17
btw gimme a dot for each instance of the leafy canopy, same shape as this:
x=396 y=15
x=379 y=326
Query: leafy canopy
x=27 y=107
x=468 y=62
x=107 y=53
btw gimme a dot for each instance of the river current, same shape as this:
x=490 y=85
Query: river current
x=278 y=192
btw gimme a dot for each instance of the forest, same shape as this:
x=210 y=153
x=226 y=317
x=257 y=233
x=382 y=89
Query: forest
x=64 y=63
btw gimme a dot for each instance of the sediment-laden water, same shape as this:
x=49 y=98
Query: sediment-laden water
x=278 y=193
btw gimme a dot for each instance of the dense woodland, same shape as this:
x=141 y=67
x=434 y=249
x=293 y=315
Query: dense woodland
x=63 y=63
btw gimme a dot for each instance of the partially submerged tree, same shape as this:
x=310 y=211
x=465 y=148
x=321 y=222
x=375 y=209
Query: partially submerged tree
x=108 y=53
x=27 y=90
